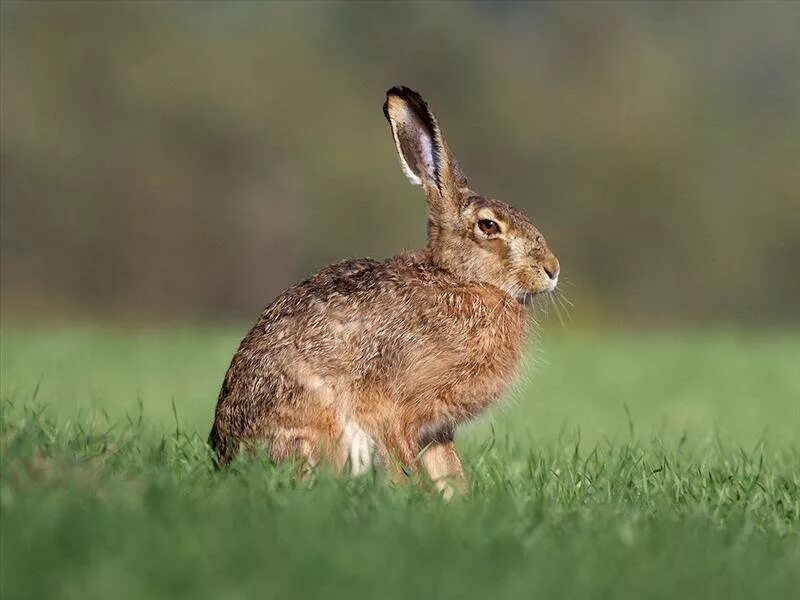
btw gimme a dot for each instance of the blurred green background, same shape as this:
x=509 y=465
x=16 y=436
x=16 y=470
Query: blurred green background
x=182 y=162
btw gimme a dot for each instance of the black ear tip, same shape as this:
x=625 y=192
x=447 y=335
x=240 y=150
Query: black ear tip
x=405 y=93
x=413 y=99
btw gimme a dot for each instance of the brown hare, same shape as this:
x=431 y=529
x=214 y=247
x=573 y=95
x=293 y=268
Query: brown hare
x=376 y=362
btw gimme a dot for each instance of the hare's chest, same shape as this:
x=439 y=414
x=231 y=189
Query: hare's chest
x=483 y=371
x=487 y=376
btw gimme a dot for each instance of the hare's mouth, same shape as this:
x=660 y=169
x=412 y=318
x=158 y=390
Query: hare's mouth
x=527 y=298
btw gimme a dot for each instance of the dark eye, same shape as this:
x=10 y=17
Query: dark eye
x=488 y=226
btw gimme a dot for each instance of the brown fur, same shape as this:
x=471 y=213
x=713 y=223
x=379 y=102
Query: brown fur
x=404 y=349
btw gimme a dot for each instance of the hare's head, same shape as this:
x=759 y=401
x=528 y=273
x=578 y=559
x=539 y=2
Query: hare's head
x=476 y=238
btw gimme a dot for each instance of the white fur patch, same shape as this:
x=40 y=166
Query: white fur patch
x=360 y=446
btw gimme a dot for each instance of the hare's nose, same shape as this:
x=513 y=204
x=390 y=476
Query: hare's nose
x=551 y=267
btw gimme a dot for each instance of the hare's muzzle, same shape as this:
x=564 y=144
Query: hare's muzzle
x=552 y=268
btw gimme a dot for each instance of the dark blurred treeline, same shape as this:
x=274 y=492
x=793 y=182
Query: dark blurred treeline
x=189 y=160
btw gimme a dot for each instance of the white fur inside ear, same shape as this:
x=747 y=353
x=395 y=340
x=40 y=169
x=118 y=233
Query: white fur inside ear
x=406 y=124
x=426 y=147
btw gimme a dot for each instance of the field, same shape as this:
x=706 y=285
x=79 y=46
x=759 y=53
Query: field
x=659 y=465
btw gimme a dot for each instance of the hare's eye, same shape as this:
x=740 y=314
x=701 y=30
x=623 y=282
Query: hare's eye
x=488 y=226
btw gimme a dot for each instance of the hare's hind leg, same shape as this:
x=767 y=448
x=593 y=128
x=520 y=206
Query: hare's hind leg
x=339 y=444
x=296 y=444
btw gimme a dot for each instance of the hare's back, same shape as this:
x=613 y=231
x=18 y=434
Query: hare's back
x=352 y=294
x=359 y=309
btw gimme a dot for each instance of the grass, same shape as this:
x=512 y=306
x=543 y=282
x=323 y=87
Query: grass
x=626 y=466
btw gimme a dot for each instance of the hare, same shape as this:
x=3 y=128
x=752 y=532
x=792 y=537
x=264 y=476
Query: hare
x=376 y=362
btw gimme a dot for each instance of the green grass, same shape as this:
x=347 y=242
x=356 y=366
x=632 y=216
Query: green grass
x=625 y=466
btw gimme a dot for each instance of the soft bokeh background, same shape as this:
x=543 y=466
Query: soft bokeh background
x=168 y=167
x=178 y=161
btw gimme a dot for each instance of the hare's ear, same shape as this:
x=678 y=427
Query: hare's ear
x=424 y=154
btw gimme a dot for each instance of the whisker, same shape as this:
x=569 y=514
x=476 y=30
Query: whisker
x=563 y=297
x=558 y=312
x=564 y=307
x=566 y=302
x=543 y=305
x=563 y=280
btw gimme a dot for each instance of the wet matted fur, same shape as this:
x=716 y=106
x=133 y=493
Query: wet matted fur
x=377 y=362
